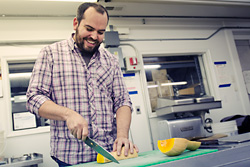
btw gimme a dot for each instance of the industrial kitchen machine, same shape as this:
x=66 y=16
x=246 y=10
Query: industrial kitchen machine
x=186 y=116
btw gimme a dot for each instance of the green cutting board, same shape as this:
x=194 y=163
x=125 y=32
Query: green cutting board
x=149 y=158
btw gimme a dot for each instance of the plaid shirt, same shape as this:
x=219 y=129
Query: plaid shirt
x=95 y=91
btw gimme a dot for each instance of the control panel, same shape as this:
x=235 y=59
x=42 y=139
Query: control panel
x=132 y=64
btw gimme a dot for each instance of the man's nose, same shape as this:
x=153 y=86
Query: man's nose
x=94 y=35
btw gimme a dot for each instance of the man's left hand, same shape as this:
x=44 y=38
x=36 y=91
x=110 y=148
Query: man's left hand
x=126 y=143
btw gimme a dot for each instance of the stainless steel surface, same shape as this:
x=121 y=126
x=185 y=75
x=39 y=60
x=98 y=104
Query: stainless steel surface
x=174 y=100
x=204 y=99
x=185 y=128
x=100 y=149
x=182 y=99
x=236 y=155
x=235 y=139
x=188 y=108
x=26 y=160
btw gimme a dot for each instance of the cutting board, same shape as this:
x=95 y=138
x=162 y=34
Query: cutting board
x=149 y=158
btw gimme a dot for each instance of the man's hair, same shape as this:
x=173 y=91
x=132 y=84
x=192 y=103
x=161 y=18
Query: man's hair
x=83 y=7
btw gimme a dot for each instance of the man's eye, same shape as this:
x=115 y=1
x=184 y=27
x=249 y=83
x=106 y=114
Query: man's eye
x=100 y=32
x=89 y=29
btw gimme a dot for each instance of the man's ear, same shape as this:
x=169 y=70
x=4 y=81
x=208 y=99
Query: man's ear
x=75 y=23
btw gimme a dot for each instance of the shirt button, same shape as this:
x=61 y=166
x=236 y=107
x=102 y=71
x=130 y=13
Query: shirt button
x=92 y=106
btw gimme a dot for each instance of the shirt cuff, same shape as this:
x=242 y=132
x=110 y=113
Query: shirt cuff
x=37 y=103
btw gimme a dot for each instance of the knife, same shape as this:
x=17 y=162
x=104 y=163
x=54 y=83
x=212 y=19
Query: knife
x=91 y=143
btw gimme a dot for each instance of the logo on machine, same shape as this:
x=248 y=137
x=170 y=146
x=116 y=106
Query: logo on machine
x=188 y=128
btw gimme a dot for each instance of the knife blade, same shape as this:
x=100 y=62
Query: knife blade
x=91 y=143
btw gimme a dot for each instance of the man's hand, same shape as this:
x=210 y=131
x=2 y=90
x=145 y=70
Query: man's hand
x=77 y=125
x=128 y=146
x=123 y=119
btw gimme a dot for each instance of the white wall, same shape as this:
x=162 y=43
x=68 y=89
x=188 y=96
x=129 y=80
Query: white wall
x=218 y=48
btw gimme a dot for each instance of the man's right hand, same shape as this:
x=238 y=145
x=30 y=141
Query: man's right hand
x=77 y=125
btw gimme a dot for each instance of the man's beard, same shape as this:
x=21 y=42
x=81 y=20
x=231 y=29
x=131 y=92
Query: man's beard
x=80 y=44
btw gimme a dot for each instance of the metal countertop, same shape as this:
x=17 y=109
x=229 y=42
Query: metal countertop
x=233 y=155
x=27 y=160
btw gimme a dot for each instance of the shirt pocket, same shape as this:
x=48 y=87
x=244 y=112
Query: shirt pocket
x=103 y=94
x=104 y=78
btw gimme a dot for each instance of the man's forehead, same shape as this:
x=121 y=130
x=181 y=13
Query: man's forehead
x=92 y=12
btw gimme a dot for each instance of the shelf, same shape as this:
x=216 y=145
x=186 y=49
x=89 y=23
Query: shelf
x=187 y=108
x=44 y=129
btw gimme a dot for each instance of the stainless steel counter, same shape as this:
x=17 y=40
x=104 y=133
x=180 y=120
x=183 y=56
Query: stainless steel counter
x=230 y=155
x=27 y=160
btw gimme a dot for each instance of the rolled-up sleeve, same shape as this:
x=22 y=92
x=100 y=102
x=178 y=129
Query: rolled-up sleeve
x=40 y=82
x=120 y=92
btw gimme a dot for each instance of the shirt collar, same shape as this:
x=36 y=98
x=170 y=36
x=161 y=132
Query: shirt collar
x=72 y=42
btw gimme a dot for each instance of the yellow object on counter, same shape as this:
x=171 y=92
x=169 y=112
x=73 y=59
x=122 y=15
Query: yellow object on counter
x=175 y=146
x=101 y=159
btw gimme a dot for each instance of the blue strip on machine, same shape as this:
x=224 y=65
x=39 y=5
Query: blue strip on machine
x=224 y=85
x=133 y=92
x=129 y=75
x=220 y=62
